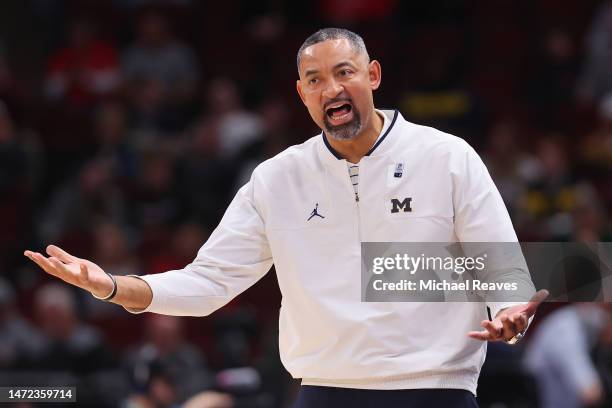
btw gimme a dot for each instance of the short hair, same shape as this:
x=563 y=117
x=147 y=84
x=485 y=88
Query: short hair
x=327 y=34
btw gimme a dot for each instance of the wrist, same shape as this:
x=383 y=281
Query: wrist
x=517 y=337
x=109 y=295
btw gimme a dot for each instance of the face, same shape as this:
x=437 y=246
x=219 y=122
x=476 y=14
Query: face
x=336 y=85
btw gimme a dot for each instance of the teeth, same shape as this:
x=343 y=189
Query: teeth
x=340 y=117
x=337 y=105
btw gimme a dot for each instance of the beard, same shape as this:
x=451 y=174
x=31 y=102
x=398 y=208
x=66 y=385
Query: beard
x=345 y=131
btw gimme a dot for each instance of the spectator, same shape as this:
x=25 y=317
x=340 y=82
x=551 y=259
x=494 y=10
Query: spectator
x=113 y=250
x=69 y=344
x=14 y=163
x=564 y=371
x=276 y=137
x=203 y=164
x=114 y=139
x=6 y=76
x=156 y=57
x=19 y=340
x=166 y=349
x=595 y=154
x=550 y=196
x=10 y=88
x=596 y=148
x=185 y=243
x=155 y=201
x=20 y=175
x=550 y=90
x=596 y=81
x=588 y=216
x=85 y=70
x=236 y=126
x=159 y=391
x=434 y=85
x=511 y=167
x=81 y=203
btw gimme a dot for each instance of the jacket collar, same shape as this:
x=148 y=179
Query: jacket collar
x=329 y=155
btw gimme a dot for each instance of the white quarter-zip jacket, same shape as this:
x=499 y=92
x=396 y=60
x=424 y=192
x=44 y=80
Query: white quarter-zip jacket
x=299 y=211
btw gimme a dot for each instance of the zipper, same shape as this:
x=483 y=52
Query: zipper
x=355 y=190
x=357 y=209
x=358 y=219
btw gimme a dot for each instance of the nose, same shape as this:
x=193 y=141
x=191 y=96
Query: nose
x=332 y=89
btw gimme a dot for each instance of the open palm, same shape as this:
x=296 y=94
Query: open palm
x=75 y=271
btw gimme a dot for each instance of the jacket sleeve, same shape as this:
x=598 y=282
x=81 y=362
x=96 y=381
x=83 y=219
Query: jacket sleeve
x=235 y=256
x=481 y=217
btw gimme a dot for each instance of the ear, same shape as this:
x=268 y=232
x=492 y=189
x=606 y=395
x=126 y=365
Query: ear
x=298 y=86
x=375 y=74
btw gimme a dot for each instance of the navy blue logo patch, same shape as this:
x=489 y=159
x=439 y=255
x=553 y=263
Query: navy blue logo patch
x=399 y=170
x=404 y=205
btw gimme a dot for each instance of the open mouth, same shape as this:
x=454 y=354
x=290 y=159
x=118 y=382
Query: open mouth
x=339 y=112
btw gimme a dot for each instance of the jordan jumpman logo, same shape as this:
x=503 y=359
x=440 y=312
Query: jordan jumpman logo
x=315 y=213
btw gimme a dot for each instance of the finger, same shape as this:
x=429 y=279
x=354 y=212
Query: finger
x=520 y=321
x=494 y=325
x=509 y=328
x=63 y=272
x=495 y=329
x=535 y=302
x=30 y=254
x=480 y=335
x=43 y=262
x=60 y=254
x=59 y=266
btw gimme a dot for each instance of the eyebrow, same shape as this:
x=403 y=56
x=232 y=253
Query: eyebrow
x=342 y=64
x=310 y=72
x=338 y=65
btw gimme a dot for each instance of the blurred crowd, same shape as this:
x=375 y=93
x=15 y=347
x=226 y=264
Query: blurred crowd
x=126 y=126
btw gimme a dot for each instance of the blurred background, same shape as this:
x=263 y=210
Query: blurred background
x=126 y=126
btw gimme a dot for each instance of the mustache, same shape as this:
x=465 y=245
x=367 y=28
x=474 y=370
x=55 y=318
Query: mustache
x=336 y=100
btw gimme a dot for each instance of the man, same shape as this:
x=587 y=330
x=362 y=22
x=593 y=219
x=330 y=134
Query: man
x=566 y=369
x=307 y=210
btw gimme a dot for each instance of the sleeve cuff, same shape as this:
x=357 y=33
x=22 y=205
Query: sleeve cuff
x=497 y=306
x=148 y=308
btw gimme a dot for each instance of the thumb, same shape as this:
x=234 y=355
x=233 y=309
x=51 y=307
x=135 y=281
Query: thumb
x=535 y=302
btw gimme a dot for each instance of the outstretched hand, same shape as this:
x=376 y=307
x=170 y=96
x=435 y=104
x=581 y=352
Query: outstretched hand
x=509 y=322
x=75 y=271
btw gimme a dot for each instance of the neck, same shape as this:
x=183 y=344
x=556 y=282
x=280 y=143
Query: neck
x=353 y=150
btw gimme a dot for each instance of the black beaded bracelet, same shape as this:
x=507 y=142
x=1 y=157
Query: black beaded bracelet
x=113 y=293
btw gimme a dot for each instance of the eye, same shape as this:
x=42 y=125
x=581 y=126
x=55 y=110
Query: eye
x=313 y=81
x=345 y=72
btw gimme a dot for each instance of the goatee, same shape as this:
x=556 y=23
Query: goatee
x=345 y=131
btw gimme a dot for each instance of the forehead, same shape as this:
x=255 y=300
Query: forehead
x=328 y=54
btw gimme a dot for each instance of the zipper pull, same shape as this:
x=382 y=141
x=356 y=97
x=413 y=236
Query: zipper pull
x=356 y=197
